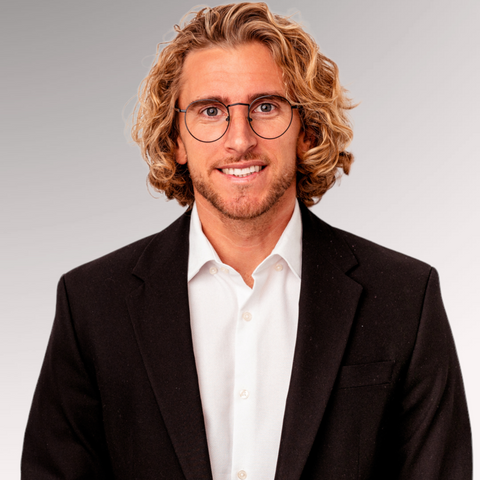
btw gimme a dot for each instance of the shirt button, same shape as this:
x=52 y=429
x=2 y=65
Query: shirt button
x=244 y=394
x=224 y=270
x=247 y=316
x=242 y=474
x=213 y=270
x=278 y=267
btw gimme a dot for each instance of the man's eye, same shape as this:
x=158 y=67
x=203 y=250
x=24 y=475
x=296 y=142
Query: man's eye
x=265 y=108
x=211 y=111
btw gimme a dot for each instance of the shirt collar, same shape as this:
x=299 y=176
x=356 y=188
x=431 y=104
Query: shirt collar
x=201 y=250
x=289 y=246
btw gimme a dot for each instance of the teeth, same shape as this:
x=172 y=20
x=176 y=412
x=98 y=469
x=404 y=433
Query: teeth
x=242 y=172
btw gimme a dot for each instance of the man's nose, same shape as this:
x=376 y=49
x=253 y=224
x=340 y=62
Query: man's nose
x=240 y=137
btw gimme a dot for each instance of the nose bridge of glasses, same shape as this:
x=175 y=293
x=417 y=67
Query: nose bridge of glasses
x=234 y=105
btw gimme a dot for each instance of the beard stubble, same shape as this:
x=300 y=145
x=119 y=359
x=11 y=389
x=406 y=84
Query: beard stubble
x=240 y=207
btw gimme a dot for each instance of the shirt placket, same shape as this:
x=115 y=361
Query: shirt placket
x=245 y=396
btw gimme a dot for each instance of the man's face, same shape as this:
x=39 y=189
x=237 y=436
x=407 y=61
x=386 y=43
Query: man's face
x=232 y=76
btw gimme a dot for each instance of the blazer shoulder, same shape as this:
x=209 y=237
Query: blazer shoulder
x=377 y=259
x=353 y=253
x=120 y=263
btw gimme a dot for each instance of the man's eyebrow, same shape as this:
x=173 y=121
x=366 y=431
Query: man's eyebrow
x=254 y=96
x=250 y=98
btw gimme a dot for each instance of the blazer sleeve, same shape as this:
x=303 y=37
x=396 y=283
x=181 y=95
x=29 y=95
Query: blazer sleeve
x=435 y=429
x=64 y=436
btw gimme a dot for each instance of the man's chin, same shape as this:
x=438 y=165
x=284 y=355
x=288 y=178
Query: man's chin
x=240 y=209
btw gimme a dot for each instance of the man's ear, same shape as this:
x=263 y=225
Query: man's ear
x=181 y=152
x=304 y=143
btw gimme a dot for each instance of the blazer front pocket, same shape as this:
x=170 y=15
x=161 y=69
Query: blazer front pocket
x=378 y=373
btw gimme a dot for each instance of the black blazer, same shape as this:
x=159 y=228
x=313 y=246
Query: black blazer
x=375 y=393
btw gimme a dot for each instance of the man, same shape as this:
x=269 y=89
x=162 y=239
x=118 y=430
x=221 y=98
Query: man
x=248 y=340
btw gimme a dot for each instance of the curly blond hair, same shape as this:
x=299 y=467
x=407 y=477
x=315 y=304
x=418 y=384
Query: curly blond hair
x=311 y=80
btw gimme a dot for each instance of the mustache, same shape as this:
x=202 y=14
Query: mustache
x=243 y=158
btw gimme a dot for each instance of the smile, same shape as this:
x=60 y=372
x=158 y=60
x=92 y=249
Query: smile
x=242 y=172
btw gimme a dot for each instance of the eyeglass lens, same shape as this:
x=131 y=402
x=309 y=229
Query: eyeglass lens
x=208 y=120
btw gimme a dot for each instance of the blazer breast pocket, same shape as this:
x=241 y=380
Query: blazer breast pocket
x=378 y=373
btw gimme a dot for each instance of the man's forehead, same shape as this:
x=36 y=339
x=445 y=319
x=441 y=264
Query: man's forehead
x=223 y=73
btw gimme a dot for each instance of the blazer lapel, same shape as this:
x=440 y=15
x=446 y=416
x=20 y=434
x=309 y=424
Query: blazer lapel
x=161 y=319
x=328 y=301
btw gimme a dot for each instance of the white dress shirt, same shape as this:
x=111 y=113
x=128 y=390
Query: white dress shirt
x=244 y=340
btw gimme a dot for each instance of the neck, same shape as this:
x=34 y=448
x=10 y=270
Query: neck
x=244 y=243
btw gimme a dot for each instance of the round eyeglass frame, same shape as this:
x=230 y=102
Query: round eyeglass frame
x=179 y=110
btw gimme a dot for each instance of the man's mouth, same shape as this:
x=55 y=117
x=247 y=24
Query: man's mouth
x=242 y=172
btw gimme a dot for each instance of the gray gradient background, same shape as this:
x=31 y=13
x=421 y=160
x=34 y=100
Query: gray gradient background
x=73 y=188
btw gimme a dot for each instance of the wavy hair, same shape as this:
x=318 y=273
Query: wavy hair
x=311 y=81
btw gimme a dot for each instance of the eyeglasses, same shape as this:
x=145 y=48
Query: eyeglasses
x=207 y=120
